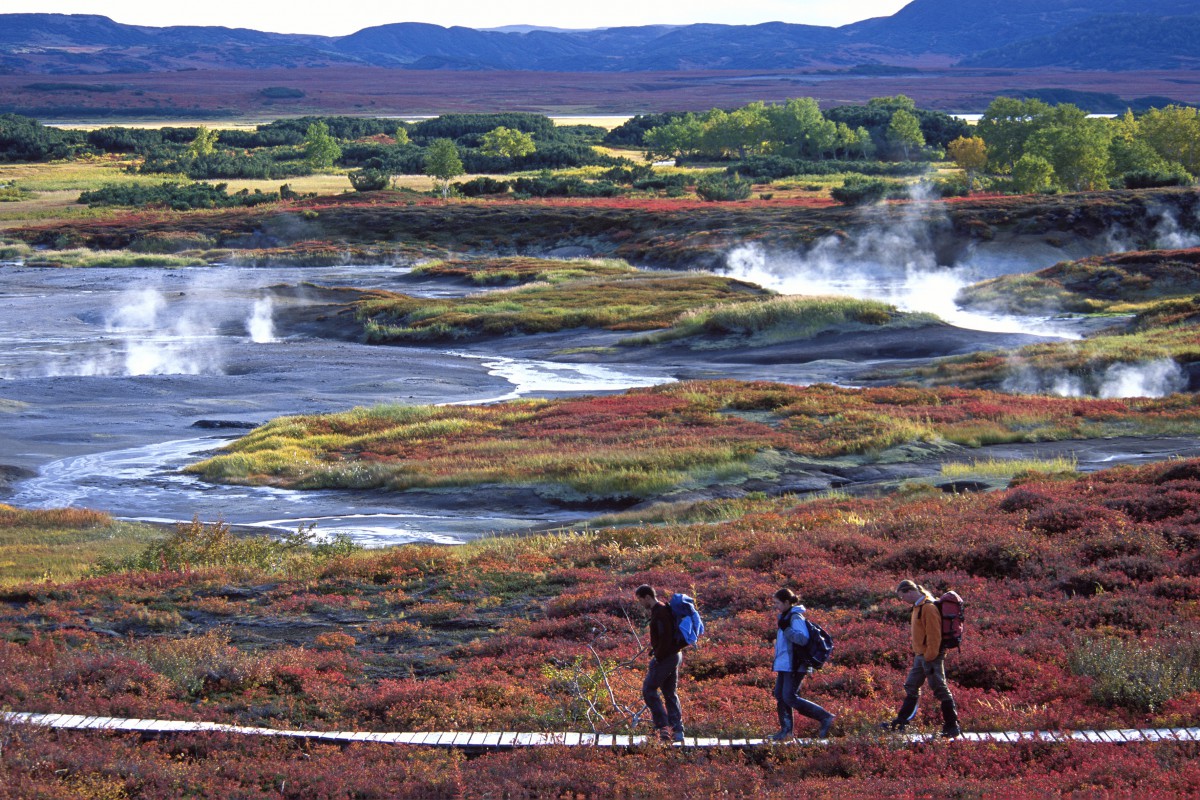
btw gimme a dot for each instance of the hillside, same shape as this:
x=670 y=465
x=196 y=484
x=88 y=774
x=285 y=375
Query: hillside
x=947 y=31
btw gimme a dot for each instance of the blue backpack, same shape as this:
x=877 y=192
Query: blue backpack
x=688 y=625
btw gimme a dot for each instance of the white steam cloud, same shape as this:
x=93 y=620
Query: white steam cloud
x=891 y=259
x=1147 y=379
x=1170 y=235
x=151 y=332
x=261 y=324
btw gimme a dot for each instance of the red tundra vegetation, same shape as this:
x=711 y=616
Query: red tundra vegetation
x=1084 y=612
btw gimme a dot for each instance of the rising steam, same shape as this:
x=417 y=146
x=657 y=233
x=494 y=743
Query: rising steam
x=150 y=332
x=1147 y=379
x=891 y=259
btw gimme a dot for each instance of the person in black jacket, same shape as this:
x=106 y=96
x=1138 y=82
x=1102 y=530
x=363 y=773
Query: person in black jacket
x=663 y=673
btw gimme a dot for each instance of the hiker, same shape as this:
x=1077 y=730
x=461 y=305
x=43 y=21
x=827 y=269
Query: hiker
x=791 y=667
x=663 y=673
x=929 y=661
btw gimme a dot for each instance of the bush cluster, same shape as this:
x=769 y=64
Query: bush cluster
x=176 y=196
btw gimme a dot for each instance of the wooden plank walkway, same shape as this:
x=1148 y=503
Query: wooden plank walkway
x=482 y=740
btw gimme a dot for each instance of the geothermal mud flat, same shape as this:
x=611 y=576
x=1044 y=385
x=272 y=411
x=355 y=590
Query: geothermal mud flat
x=113 y=379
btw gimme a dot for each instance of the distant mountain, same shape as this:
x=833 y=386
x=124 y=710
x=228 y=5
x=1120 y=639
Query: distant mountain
x=1112 y=42
x=1108 y=34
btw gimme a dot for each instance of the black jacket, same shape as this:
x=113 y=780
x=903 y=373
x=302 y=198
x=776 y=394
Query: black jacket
x=664 y=641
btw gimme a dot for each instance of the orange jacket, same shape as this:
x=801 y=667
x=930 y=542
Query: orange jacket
x=926 y=629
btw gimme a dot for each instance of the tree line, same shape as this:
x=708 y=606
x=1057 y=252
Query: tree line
x=887 y=127
x=1030 y=146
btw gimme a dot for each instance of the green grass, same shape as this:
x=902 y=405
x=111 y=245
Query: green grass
x=519 y=270
x=789 y=318
x=65 y=544
x=638 y=302
x=113 y=258
x=1009 y=468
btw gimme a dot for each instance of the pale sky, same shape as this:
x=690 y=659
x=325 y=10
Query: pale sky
x=340 y=17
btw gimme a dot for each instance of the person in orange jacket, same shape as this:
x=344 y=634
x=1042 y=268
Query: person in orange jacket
x=929 y=661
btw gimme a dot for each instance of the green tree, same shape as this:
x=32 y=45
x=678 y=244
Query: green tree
x=401 y=135
x=442 y=163
x=1032 y=174
x=1005 y=127
x=798 y=128
x=894 y=103
x=904 y=131
x=1174 y=133
x=866 y=144
x=678 y=137
x=320 y=149
x=970 y=154
x=204 y=143
x=740 y=131
x=507 y=142
x=1078 y=151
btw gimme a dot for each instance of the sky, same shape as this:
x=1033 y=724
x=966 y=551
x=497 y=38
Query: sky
x=340 y=18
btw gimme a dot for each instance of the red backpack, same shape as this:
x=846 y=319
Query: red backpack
x=951 y=606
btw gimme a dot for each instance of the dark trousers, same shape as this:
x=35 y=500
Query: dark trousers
x=932 y=671
x=662 y=678
x=787 y=697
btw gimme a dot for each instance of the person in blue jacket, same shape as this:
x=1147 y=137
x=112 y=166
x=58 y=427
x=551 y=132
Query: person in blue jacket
x=791 y=667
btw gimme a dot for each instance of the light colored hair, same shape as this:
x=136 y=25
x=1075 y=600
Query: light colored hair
x=907 y=585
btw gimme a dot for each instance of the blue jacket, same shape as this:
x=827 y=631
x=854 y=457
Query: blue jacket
x=796 y=634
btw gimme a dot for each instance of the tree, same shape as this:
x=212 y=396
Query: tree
x=676 y=138
x=204 y=142
x=905 y=130
x=970 y=154
x=1078 y=151
x=442 y=163
x=507 y=142
x=1174 y=133
x=894 y=103
x=1032 y=174
x=401 y=135
x=739 y=131
x=1005 y=127
x=320 y=149
x=798 y=128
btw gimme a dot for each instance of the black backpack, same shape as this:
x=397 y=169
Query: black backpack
x=814 y=653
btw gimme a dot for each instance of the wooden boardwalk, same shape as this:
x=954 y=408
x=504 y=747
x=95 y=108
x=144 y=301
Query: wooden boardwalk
x=510 y=740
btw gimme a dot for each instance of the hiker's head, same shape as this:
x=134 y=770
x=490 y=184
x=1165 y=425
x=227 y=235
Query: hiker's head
x=911 y=591
x=645 y=595
x=785 y=599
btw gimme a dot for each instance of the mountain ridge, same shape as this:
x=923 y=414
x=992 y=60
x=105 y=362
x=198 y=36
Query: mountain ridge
x=1019 y=33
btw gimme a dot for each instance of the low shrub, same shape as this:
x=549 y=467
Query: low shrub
x=1137 y=676
x=858 y=191
x=176 y=196
x=723 y=187
x=481 y=186
x=369 y=180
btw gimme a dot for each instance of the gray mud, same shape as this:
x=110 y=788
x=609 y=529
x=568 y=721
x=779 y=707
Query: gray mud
x=112 y=380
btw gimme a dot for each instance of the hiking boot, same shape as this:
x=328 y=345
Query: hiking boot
x=826 y=726
x=677 y=737
x=950 y=726
x=782 y=736
x=663 y=734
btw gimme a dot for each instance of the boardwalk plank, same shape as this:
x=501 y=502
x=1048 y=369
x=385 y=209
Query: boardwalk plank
x=568 y=739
